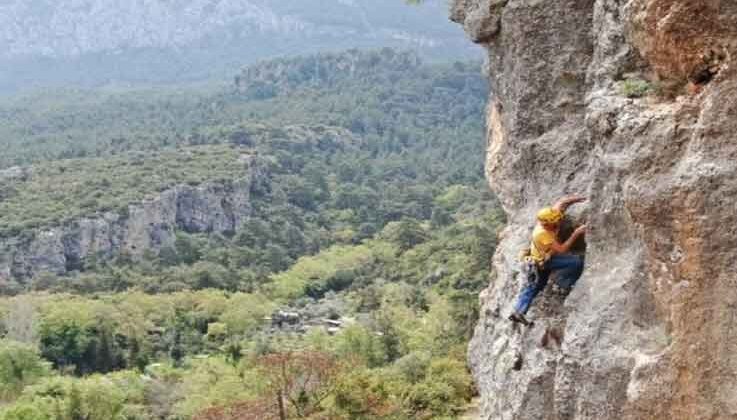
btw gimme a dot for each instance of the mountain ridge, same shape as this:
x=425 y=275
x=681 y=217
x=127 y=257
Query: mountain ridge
x=93 y=42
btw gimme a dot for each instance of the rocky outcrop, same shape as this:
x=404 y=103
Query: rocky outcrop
x=649 y=331
x=148 y=226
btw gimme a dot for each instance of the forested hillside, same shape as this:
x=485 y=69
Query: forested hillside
x=348 y=289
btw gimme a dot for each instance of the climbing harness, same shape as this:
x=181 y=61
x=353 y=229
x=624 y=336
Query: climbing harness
x=529 y=267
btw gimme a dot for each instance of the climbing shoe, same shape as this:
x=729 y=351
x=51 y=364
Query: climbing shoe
x=518 y=318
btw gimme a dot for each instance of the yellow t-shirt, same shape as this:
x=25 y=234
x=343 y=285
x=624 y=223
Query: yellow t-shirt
x=542 y=240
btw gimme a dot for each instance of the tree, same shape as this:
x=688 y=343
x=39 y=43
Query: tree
x=31 y=410
x=65 y=336
x=440 y=218
x=299 y=382
x=20 y=365
x=366 y=394
x=80 y=336
x=20 y=320
x=248 y=410
x=74 y=409
x=207 y=275
x=359 y=343
x=187 y=249
x=446 y=389
x=407 y=233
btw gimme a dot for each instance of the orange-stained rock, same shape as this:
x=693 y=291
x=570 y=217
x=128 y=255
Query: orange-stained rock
x=679 y=39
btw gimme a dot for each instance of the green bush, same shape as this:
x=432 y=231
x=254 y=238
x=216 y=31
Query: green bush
x=358 y=342
x=93 y=398
x=446 y=390
x=368 y=395
x=635 y=88
x=413 y=367
x=33 y=410
x=20 y=365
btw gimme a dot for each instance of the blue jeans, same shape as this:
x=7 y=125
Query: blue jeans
x=569 y=268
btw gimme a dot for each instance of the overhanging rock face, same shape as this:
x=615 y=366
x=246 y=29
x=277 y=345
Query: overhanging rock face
x=633 y=103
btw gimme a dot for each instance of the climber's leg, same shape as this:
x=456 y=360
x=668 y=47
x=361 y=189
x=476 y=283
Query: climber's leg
x=568 y=268
x=531 y=291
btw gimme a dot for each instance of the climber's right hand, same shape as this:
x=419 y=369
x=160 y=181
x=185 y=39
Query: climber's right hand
x=580 y=230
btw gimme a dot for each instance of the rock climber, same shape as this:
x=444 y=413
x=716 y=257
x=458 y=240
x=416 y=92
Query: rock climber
x=547 y=255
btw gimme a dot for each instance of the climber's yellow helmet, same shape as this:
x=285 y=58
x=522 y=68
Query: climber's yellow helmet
x=549 y=215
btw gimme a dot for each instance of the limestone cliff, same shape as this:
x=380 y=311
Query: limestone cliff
x=221 y=207
x=649 y=332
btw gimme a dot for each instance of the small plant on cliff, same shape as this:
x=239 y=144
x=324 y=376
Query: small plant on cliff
x=635 y=88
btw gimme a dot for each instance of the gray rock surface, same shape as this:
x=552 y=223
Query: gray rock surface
x=649 y=331
x=149 y=226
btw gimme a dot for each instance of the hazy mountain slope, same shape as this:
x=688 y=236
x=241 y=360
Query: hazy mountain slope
x=141 y=168
x=101 y=41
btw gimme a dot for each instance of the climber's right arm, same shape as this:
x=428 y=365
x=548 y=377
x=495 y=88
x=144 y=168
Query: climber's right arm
x=561 y=248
